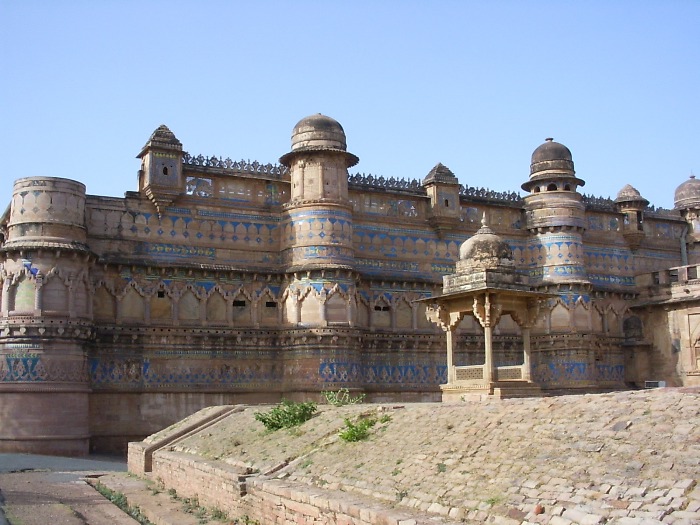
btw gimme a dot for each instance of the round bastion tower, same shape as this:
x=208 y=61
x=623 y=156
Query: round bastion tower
x=686 y=200
x=317 y=253
x=555 y=215
x=317 y=230
x=45 y=319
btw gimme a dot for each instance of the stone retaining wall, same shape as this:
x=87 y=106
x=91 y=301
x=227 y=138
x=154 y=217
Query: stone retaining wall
x=228 y=488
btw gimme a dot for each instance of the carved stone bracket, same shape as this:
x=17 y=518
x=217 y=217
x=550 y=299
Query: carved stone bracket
x=441 y=316
x=486 y=312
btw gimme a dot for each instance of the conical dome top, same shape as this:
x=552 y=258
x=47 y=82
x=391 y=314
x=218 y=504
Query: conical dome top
x=630 y=194
x=161 y=138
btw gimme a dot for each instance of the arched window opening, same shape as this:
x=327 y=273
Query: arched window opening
x=552 y=187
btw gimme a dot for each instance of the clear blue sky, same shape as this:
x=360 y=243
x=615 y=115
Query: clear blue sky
x=474 y=85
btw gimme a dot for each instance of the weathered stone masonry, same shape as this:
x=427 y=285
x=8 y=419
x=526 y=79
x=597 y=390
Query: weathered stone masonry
x=222 y=282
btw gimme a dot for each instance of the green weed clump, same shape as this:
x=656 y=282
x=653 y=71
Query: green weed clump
x=342 y=397
x=357 y=431
x=120 y=501
x=287 y=414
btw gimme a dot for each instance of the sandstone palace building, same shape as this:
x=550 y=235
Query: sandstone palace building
x=221 y=282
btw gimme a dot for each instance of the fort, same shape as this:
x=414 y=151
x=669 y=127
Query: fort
x=221 y=282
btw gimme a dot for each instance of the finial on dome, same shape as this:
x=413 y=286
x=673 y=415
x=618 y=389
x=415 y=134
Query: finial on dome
x=483 y=220
x=549 y=139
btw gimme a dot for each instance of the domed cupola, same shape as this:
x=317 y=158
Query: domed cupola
x=555 y=217
x=318 y=216
x=631 y=203
x=485 y=250
x=687 y=195
x=485 y=261
x=552 y=169
x=319 y=133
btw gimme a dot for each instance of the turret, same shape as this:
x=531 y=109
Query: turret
x=555 y=217
x=45 y=319
x=631 y=204
x=160 y=176
x=318 y=225
x=687 y=201
x=317 y=249
x=442 y=187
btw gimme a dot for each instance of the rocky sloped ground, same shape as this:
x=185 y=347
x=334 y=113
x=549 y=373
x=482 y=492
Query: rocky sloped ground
x=623 y=457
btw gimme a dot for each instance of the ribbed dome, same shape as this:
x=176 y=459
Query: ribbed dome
x=687 y=195
x=485 y=249
x=630 y=194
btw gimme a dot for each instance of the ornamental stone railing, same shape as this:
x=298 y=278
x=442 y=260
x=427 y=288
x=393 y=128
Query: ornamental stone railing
x=607 y=204
x=490 y=195
x=243 y=166
x=391 y=183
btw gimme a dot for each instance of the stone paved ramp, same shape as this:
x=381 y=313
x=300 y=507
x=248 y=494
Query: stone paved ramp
x=56 y=498
x=621 y=458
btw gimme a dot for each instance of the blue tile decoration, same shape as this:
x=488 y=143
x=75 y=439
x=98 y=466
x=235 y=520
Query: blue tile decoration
x=136 y=372
x=409 y=375
x=553 y=373
x=22 y=368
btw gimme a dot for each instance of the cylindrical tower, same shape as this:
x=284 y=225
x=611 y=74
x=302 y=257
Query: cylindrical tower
x=555 y=215
x=317 y=252
x=318 y=218
x=631 y=204
x=686 y=200
x=45 y=319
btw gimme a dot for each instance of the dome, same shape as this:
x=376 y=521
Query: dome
x=549 y=161
x=687 y=194
x=485 y=249
x=318 y=133
x=551 y=156
x=630 y=194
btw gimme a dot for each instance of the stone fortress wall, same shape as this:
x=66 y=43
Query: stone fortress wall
x=222 y=282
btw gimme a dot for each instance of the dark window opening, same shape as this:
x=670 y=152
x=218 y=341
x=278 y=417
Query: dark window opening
x=567 y=187
x=640 y=221
x=673 y=276
x=239 y=303
x=270 y=304
x=537 y=189
x=552 y=187
x=381 y=308
x=161 y=294
x=447 y=203
x=165 y=170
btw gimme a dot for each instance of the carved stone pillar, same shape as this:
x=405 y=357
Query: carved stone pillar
x=527 y=366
